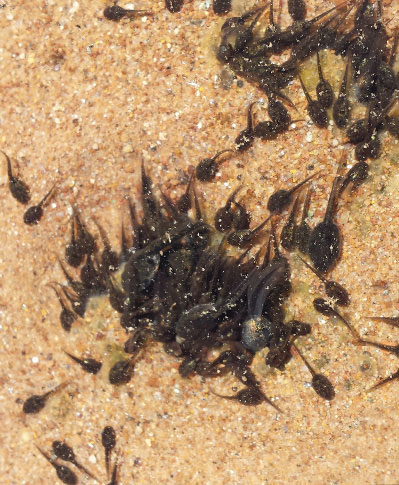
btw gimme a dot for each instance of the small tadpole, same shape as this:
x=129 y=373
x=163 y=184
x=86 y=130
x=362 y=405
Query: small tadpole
x=355 y=176
x=324 y=91
x=65 y=452
x=35 y=212
x=224 y=215
x=116 y=13
x=221 y=7
x=74 y=252
x=246 y=137
x=321 y=385
x=325 y=239
x=241 y=217
x=297 y=10
x=67 y=316
x=287 y=237
x=121 y=372
x=322 y=306
x=244 y=237
x=36 y=403
x=333 y=289
x=278 y=114
x=65 y=474
x=19 y=189
x=207 y=168
x=303 y=231
x=90 y=366
x=184 y=203
x=108 y=440
x=316 y=111
x=174 y=6
x=249 y=396
x=282 y=198
x=342 y=107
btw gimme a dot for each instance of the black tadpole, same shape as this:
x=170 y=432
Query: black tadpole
x=121 y=372
x=74 y=252
x=244 y=237
x=65 y=452
x=288 y=232
x=90 y=366
x=116 y=13
x=108 y=440
x=322 y=306
x=324 y=91
x=36 y=403
x=316 y=111
x=297 y=10
x=65 y=474
x=249 y=396
x=355 y=176
x=325 y=239
x=224 y=215
x=19 y=189
x=184 y=202
x=303 y=230
x=333 y=289
x=342 y=107
x=207 y=168
x=35 y=212
x=67 y=316
x=246 y=137
x=281 y=199
x=392 y=349
x=321 y=385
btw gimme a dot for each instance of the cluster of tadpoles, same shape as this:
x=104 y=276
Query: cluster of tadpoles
x=60 y=450
x=21 y=192
x=180 y=287
x=362 y=38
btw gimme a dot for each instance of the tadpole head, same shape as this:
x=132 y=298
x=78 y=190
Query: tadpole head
x=323 y=387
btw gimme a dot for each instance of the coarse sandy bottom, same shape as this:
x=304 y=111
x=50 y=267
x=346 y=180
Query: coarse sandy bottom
x=83 y=101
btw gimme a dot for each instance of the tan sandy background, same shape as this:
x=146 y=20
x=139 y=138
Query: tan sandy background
x=83 y=100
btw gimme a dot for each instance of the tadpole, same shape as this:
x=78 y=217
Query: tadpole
x=282 y=198
x=316 y=111
x=108 y=439
x=390 y=378
x=90 y=366
x=288 y=231
x=121 y=372
x=224 y=215
x=324 y=91
x=333 y=289
x=207 y=168
x=35 y=212
x=67 y=316
x=65 y=474
x=320 y=383
x=36 y=403
x=74 y=252
x=323 y=307
x=18 y=188
x=302 y=233
x=245 y=138
x=242 y=238
x=297 y=10
x=250 y=396
x=355 y=176
x=116 y=13
x=184 y=202
x=325 y=239
x=342 y=107
x=65 y=452
x=392 y=349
